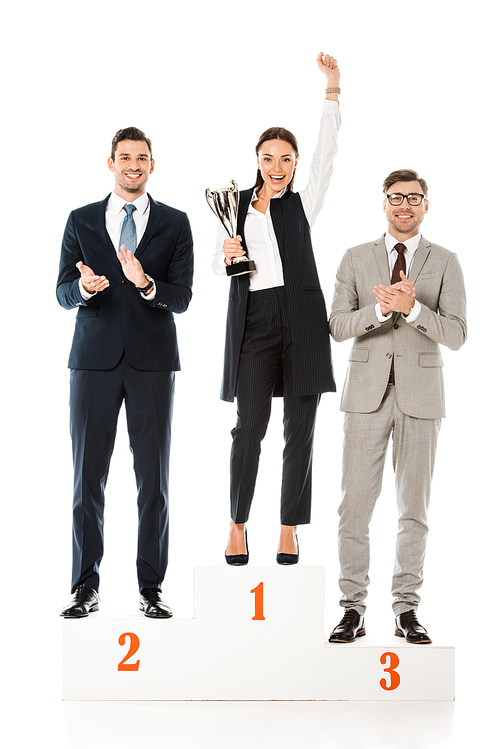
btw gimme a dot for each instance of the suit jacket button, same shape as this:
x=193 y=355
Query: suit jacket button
x=370 y=327
x=396 y=326
x=389 y=356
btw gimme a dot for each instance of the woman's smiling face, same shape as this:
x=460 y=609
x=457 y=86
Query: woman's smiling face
x=277 y=161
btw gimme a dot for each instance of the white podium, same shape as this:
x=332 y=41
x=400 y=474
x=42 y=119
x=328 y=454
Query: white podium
x=257 y=634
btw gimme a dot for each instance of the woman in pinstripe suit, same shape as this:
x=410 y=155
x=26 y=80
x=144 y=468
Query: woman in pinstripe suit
x=277 y=338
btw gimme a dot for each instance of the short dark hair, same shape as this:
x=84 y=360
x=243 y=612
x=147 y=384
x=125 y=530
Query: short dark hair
x=129 y=133
x=404 y=175
x=275 y=133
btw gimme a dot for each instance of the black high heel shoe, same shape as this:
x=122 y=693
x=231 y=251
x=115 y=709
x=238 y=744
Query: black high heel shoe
x=238 y=560
x=283 y=558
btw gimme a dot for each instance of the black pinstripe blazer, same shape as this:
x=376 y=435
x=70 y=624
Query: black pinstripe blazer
x=312 y=360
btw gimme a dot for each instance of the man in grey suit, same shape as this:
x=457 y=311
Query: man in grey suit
x=399 y=298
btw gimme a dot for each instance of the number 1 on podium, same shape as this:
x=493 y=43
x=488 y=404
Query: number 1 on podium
x=259 y=603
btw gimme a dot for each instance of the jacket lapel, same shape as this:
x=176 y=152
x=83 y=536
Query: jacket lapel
x=153 y=221
x=245 y=198
x=380 y=254
x=99 y=221
x=423 y=249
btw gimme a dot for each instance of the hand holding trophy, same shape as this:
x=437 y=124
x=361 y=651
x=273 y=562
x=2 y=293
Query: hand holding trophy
x=224 y=203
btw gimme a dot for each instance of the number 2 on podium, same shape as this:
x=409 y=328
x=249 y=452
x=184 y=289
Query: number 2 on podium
x=134 y=647
x=259 y=603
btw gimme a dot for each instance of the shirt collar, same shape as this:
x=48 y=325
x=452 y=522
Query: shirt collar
x=410 y=244
x=116 y=203
x=278 y=194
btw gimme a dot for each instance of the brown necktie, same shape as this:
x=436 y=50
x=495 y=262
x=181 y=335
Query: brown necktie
x=399 y=265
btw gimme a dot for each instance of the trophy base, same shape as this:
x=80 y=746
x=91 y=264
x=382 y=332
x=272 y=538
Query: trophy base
x=240 y=268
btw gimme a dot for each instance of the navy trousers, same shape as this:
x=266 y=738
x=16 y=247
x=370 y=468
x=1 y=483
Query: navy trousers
x=266 y=355
x=96 y=397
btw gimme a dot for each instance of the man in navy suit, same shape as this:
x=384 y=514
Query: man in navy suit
x=127 y=265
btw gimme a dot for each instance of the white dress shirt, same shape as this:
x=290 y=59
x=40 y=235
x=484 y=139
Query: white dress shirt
x=260 y=237
x=411 y=248
x=115 y=215
x=114 y=219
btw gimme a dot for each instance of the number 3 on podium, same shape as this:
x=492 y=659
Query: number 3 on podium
x=395 y=679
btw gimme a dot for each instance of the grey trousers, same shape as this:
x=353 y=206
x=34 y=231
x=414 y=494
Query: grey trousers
x=366 y=437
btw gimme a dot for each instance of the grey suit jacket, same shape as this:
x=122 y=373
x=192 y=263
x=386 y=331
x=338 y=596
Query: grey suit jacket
x=439 y=287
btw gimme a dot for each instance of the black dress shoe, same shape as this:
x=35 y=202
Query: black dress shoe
x=238 y=560
x=152 y=604
x=85 y=599
x=283 y=558
x=351 y=626
x=407 y=626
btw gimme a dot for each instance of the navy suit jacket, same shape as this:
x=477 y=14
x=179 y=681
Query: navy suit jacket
x=119 y=320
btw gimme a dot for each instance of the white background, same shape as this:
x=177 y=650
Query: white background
x=203 y=80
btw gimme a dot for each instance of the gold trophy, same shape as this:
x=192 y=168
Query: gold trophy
x=224 y=203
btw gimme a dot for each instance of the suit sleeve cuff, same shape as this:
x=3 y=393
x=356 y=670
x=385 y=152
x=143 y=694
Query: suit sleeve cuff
x=149 y=297
x=380 y=317
x=85 y=294
x=414 y=313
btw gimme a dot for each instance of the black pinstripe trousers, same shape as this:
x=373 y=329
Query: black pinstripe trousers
x=266 y=353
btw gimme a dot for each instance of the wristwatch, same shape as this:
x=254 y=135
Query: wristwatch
x=146 y=288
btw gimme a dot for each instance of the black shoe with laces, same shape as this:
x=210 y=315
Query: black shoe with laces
x=407 y=626
x=85 y=600
x=153 y=605
x=351 y=626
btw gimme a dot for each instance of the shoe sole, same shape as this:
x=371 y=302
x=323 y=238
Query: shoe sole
x=399 y=633
x=361 y=633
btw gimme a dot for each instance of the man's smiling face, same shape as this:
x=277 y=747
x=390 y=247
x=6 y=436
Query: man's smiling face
x=404 y=220
x=131 y=166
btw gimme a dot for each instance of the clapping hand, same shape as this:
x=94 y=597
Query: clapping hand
x=91 y=283
x=132 y=268
x=396 y=298
x=404 y=285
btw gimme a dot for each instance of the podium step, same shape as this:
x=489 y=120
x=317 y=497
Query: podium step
x=257 y=634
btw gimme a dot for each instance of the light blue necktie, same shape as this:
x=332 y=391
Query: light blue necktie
x=128 y=235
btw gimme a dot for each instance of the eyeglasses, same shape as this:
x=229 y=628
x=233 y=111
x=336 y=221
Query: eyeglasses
x=397 y=198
